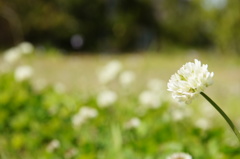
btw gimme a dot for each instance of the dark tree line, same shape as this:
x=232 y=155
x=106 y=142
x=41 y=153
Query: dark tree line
x=120 y=25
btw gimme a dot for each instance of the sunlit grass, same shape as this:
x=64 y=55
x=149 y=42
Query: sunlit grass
x=32 y=119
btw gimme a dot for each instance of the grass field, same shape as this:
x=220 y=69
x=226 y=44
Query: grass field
x=41 y=117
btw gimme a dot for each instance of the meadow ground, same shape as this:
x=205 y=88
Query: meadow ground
x=79 y=73
x=40 y=117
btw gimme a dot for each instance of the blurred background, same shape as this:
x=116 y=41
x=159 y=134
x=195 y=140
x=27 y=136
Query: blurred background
x=87 y=79
x=121 y=25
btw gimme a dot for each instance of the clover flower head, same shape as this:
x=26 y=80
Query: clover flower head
x=189 y=81
x=15 y=53
x=88 y=112
x=26 y=47
x=180 y=155
x=12 y=55
x=126 y=78
x=23 y=73
x=84 y=114
x=106 y=98
x=133 y=123
x=53 y=145
x=109 y=71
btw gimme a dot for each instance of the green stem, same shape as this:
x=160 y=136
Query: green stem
x=228 y=120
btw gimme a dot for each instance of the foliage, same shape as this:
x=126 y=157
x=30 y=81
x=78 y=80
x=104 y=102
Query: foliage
x=122 y=25
x=38 y=124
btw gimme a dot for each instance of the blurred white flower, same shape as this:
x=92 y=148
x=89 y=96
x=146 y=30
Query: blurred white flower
x=88 y=112
x=203 y=123
x=150 y=99
x=126 y=78
x=132 y=123
x=78 y=120
x=106 y=98
x=83 y=115
x=180 y=155
x=155 y=85
x=189 y=81
x=12 y=55
x=53 y=145
x=26 y=47
x=23 y=73
x=109 y=72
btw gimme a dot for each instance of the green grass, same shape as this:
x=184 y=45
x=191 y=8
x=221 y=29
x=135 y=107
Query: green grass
x=30 y=119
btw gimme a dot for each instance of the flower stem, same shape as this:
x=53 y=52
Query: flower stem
x=228 y=120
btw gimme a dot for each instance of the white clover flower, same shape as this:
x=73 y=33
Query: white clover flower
x=83 y=115
x=133 y=123
x=109 y=72
x=23 y=73
x=179 y=155
x=189 y=81
x=150 y=99
x=53 y=145
x=12 y=55
x=88 y=112
x=26 y=47
x=106 y=98
x=78 y=120
x=126 y=78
